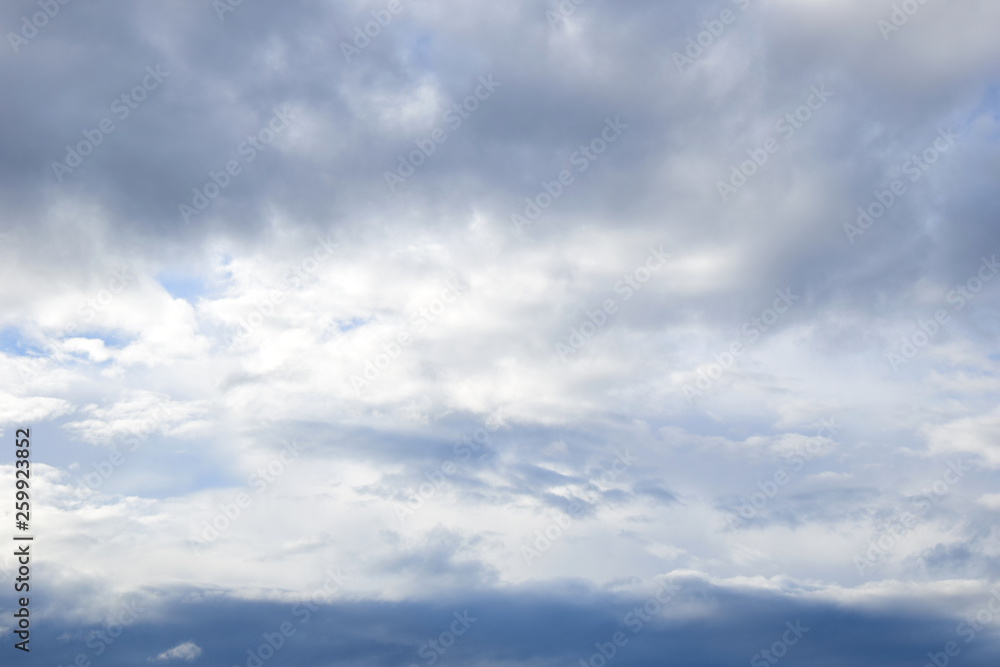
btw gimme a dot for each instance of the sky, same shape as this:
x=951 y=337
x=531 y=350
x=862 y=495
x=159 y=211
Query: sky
x=502 y=334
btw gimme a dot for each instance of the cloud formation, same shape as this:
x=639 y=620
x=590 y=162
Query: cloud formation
x=383 y=312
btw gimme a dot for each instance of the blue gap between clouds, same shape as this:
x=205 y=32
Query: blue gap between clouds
x=14 y=342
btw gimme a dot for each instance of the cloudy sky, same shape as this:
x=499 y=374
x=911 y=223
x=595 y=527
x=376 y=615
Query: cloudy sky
x=525 y=333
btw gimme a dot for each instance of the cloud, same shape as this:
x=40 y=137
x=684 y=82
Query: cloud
x=21 y=409
x=975 y=435
x=708 y=622
x=188 y=652
x=166 y=361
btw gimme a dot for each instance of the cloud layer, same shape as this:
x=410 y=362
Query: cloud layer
x=525 y=308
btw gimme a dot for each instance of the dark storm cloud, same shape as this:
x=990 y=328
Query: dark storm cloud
x=558 y=625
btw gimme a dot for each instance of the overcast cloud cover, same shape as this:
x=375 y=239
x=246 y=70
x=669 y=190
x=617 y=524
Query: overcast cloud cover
x=676 y=341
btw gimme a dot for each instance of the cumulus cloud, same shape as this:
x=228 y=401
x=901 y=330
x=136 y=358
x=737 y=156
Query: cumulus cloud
x=188 y=652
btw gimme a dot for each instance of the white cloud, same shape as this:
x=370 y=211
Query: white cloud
x=188 y=652
x=976 y=435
